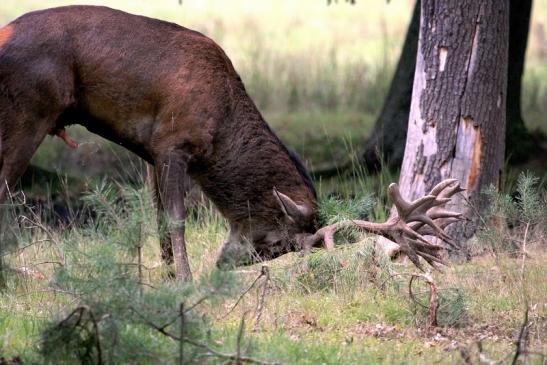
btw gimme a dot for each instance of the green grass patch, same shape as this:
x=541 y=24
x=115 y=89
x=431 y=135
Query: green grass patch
x=351 y=305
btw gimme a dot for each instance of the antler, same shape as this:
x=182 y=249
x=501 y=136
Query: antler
x=414 y=220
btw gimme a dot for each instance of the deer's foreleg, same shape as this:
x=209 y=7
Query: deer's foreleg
x=166 y=247
x=171 y=171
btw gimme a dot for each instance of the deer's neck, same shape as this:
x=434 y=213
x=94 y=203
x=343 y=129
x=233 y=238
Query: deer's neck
x=248 y=161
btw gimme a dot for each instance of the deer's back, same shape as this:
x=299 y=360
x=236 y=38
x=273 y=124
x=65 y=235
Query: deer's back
x=128 y=72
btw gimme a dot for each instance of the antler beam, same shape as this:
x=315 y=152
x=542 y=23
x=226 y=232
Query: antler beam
x=413 y=221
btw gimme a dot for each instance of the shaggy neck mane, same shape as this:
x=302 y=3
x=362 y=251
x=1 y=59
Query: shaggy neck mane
x=246 y=165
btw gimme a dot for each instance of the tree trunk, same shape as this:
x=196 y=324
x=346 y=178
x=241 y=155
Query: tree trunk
x=387 y=140
x=390 y=130
x=456 y=126
x=519 y=142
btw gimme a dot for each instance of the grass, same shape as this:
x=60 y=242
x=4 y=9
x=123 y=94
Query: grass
x=368 y=326
x=347 y=306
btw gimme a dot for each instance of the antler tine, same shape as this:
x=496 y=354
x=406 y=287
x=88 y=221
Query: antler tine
x=439 y=202
x=443 y=213
x=428 y=247
x=431 y=260
x=400 y=203
x=423 y=218
x=437 y=189
x=328 y=238
x=450 y=191
x=425 y=230
x=430 y=253
x=422 y=204
x=448 y=240
x=408 y=232
x=408 y=251
x=406 y=208
x=325 y=233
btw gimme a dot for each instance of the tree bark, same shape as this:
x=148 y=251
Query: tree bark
x=389 y=133
x=456 y=126
x=386 y=144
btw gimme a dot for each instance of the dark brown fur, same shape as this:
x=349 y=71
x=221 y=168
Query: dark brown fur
x=167 y=93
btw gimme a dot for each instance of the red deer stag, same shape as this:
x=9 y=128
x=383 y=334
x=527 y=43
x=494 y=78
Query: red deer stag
x=172 y=96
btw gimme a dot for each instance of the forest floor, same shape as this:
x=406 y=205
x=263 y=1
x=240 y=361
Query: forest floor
x=350 y=306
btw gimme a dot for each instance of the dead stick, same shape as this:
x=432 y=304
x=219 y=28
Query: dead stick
x=433 y=297
x=210 y=350
x=521 y=340
x=239 y=338
x=262 y=299
x=139 y=263
x=97 y=337
x=433 y=305
x=243 y=294
x=181 y=355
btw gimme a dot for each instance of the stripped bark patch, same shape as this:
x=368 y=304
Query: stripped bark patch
x=443 y=52
x=473 y=143
x=475 y=160
x=472 y=63
x=467 y=160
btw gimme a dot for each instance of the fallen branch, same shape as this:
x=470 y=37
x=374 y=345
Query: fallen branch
x=263 y=272
x=260 y=301
x=240 y=338
x=80 y=312
x=433 y=297
x=522 y=339
x=210 y=351
x=227 y=356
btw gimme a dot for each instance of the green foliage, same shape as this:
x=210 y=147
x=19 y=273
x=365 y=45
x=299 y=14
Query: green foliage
x=124 y=215
x=531 y=199
x=452 y=310
x=333 y=209
x=118 y=310
x=342 y=271
x=515 y=220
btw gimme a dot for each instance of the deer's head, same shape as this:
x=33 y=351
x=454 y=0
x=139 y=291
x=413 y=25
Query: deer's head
x=267 y=237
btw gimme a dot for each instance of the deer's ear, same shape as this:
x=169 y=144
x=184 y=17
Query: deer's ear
x=291 y=209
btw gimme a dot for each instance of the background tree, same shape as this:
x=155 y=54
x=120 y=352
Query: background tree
x=456 y=126
x=387 y=139
x=519 y=142
x=389 y=133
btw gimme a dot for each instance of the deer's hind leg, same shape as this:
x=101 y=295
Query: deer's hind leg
x=16 y=149
x=30 y=107
x=31 y=101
